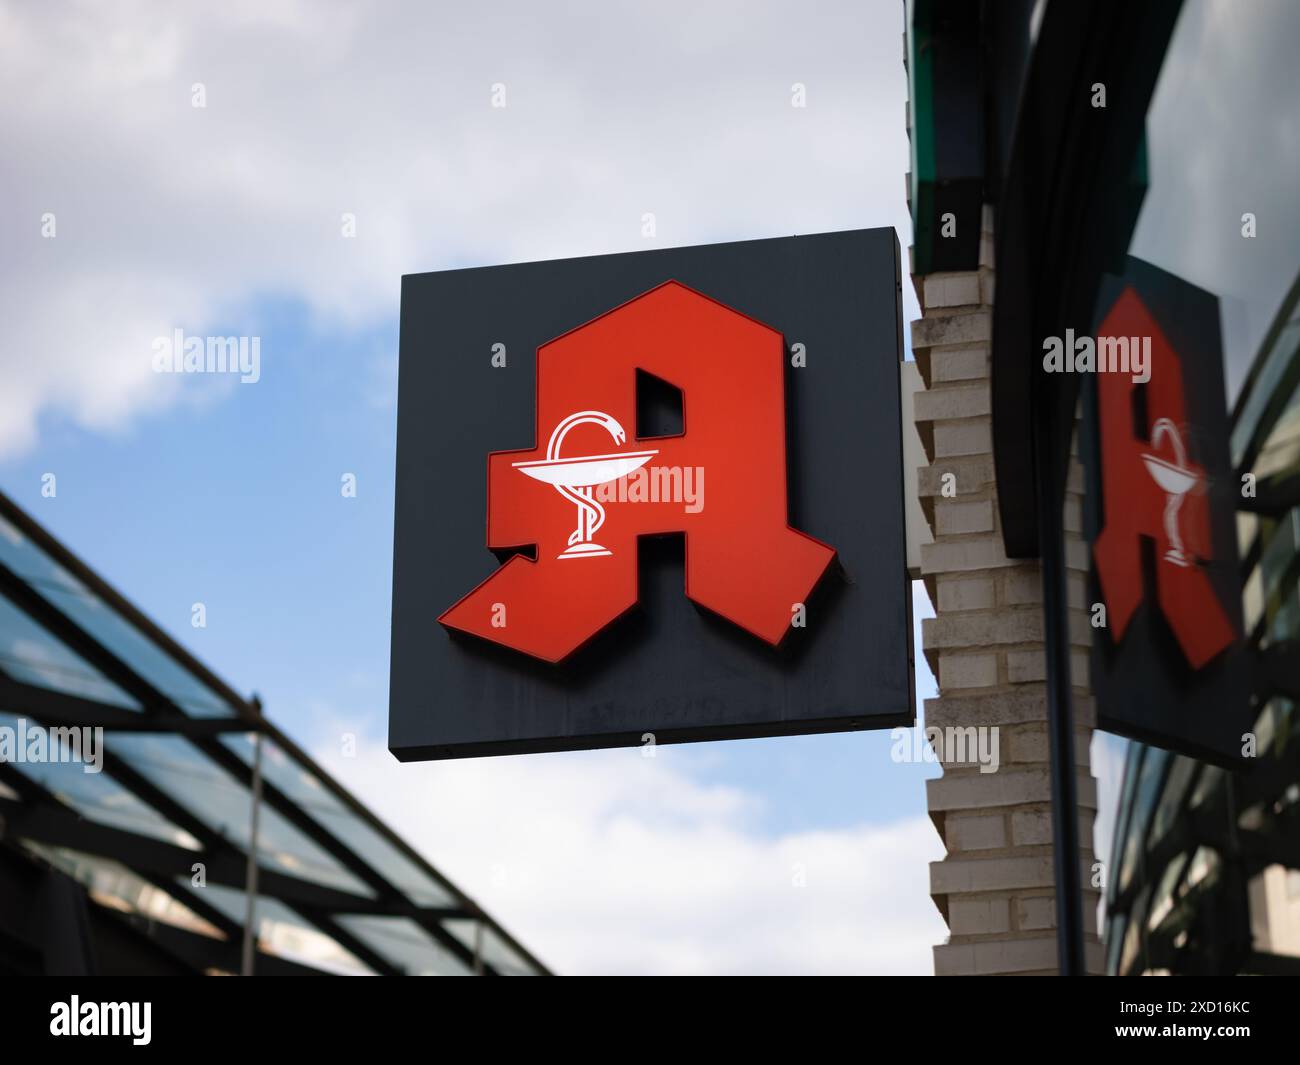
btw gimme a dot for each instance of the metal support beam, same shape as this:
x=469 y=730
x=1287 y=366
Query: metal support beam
x=1060 y=723
x=250 y=887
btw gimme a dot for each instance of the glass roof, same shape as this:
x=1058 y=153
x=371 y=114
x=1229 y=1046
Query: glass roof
x=189 y=777
x=307 y=789
x=495 y=951
x=130 y=645
x=20 y=554
x=196 y=769
x=284 y=932
x=31 y=655
x=97 y=796
x=406 y=945
x=61 y=589
x=115 y=884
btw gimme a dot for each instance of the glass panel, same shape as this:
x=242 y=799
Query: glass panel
x=280 y=769
x=68 y=594
x=1180 y=777
x=28 y=561
x=1209 y=787
x=1280 y=453
x=1134 y=936
x=98 y=796
x=1148 y=788
x=387 y=860
x=1275 y=910
x=283 y=932
x=301 y=785
x=112 y=884
x=405 y=944
x=1269 y=725
x=1163 y=899
x=1288 y=721
x=1283 y=545
x=1204 y=868
x=191 y=778
x=1277 y=361
x=138 y=651
x=1128 y=787
x=1114 y=940
x=1287 y=621
x=32 y=655
x=496 y=952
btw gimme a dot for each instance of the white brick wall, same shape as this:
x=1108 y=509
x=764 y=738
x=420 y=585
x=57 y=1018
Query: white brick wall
x=995 y=886
x=974 y=832
x=968 y=671
x=979 y=916
x=954 y=518
x=957 y=594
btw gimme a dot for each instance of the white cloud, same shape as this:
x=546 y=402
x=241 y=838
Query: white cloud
x=170 y=216
x=610 y=862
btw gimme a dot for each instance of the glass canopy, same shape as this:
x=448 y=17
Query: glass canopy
x=158 y=824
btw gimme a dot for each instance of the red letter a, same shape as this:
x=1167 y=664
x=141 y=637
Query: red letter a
x=588 y=490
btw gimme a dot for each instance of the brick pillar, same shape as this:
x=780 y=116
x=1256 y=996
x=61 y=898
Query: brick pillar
x=985 y=646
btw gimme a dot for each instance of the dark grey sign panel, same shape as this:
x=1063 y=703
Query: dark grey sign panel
x=666 y=667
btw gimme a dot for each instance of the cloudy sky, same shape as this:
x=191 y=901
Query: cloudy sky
x=794 y=855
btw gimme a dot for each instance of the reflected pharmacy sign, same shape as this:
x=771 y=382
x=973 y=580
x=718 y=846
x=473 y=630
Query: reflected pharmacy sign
x=1168 y=665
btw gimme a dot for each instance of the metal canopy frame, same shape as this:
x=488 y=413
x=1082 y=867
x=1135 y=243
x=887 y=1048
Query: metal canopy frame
x=42 y=817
